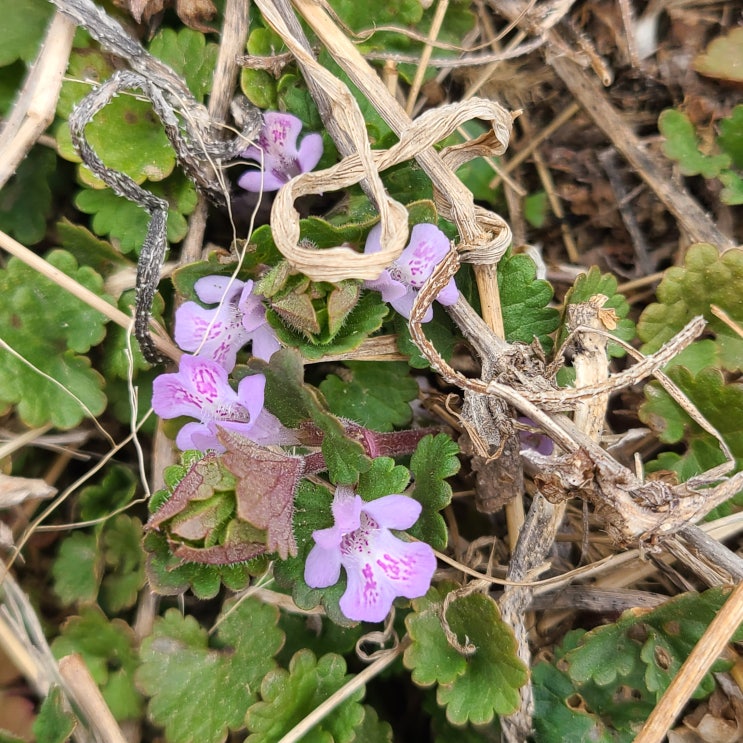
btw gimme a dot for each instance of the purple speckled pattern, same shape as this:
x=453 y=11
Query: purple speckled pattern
x=379 y=566
x=219 y=333
x=400 y=282
x=277 y=154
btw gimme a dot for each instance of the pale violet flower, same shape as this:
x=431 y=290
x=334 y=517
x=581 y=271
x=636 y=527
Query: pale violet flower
x=276 y=150
x=379 y=566
x=199 y=389
x=219 y=333
x=400 y=283
x=534 y=440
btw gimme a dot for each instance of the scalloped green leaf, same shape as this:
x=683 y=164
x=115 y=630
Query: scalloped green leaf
x=54 y=723
x=732 y=193
x=126 y=223
x=384 y=477
x=189 y=54
x=430 y=657
x=434 y=460
x=26 y=200
x=49 y=327
x=201 y=688
x=473 y=688
x=108 y=649
x=363 y=320
x=89 y=250
x=77 y=568
x=440 y=332
x=115 y=490
x=610 y=655
x=560 y=712
x=126 y=134
x=121 y=542
x=377 y=394
x=682 y=145
x=288 y=696
x=524 y=299
x=592 y=283
x=707 y=278
x=22 y=29
x=730 y=138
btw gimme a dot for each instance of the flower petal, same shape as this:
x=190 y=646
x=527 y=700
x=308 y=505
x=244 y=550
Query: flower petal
x=207 y=379
x=347 y=507
x=310 y=152
x=407 y=567
x=404 y=305
x=258 y=180
x=389 y=288
x=217 y=289
x=323 y=566
x=367 y=598
x=374 y=239
x=449 y=294
x=394 y=511
x=265 y=342
x=200 y=436
x=250 y=393
x=279 y=134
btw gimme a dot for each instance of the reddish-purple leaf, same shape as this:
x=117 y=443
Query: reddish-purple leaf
x=198 y=484
x=221 y=554
x=266 y=483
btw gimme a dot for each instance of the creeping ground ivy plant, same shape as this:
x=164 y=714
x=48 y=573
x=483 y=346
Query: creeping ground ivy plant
x=279 y=534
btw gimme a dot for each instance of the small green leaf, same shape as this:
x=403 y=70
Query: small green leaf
x=524 y=300
x=732 y=193
x=377 y=396
x=188 y=53
x=590 y=284
x=536 y=209
x=440 y=332
x=731 y=134
x=707 y=278
x=122 y=546
x=48 y=327
x=200 y=690
x=115 y=491
x=53 y=724
x=77 y=569
x=89 y=251
x=681 y=144
x=723 y=58
x=434 y=460
x=26 y=200
x=473 y=688
x=107 y=647
x=22 y=29
x=289 y=696
x=430 y=657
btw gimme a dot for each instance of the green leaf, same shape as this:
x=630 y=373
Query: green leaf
x=23 y=26
x=681 y=144
x=53 y=724
x=115 y=491
x=126 y=134
x=434 y=460
x=372 y=729
x=122 y=545
x=524 y=300
x=188 y=53
x=473 y=688
x=384 y=477
x=560 y=713
x=721 y=404
x=26 y=200
x=289 y=696
x=126 y=223
x=430 y=657
x=49 y=327
x=536 y=209
x=723 y=58
x=259 y=86
x=657 y=642
x=440 y=332
x=200 y=690
x=107 y=647
x=77 y=569
x=707 y=278
x=731 y=134
x=377 y=395
x=363 y=320
x=732 y=193
x=590 y=284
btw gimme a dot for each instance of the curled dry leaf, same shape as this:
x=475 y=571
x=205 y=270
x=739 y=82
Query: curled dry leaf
x=16 y=490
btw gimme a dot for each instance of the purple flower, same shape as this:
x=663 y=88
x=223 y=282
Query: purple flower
x=533 y=439
x=399 y=284
x=277 y=152
x=379 y=566
x=219 y=333
x=199 y=389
